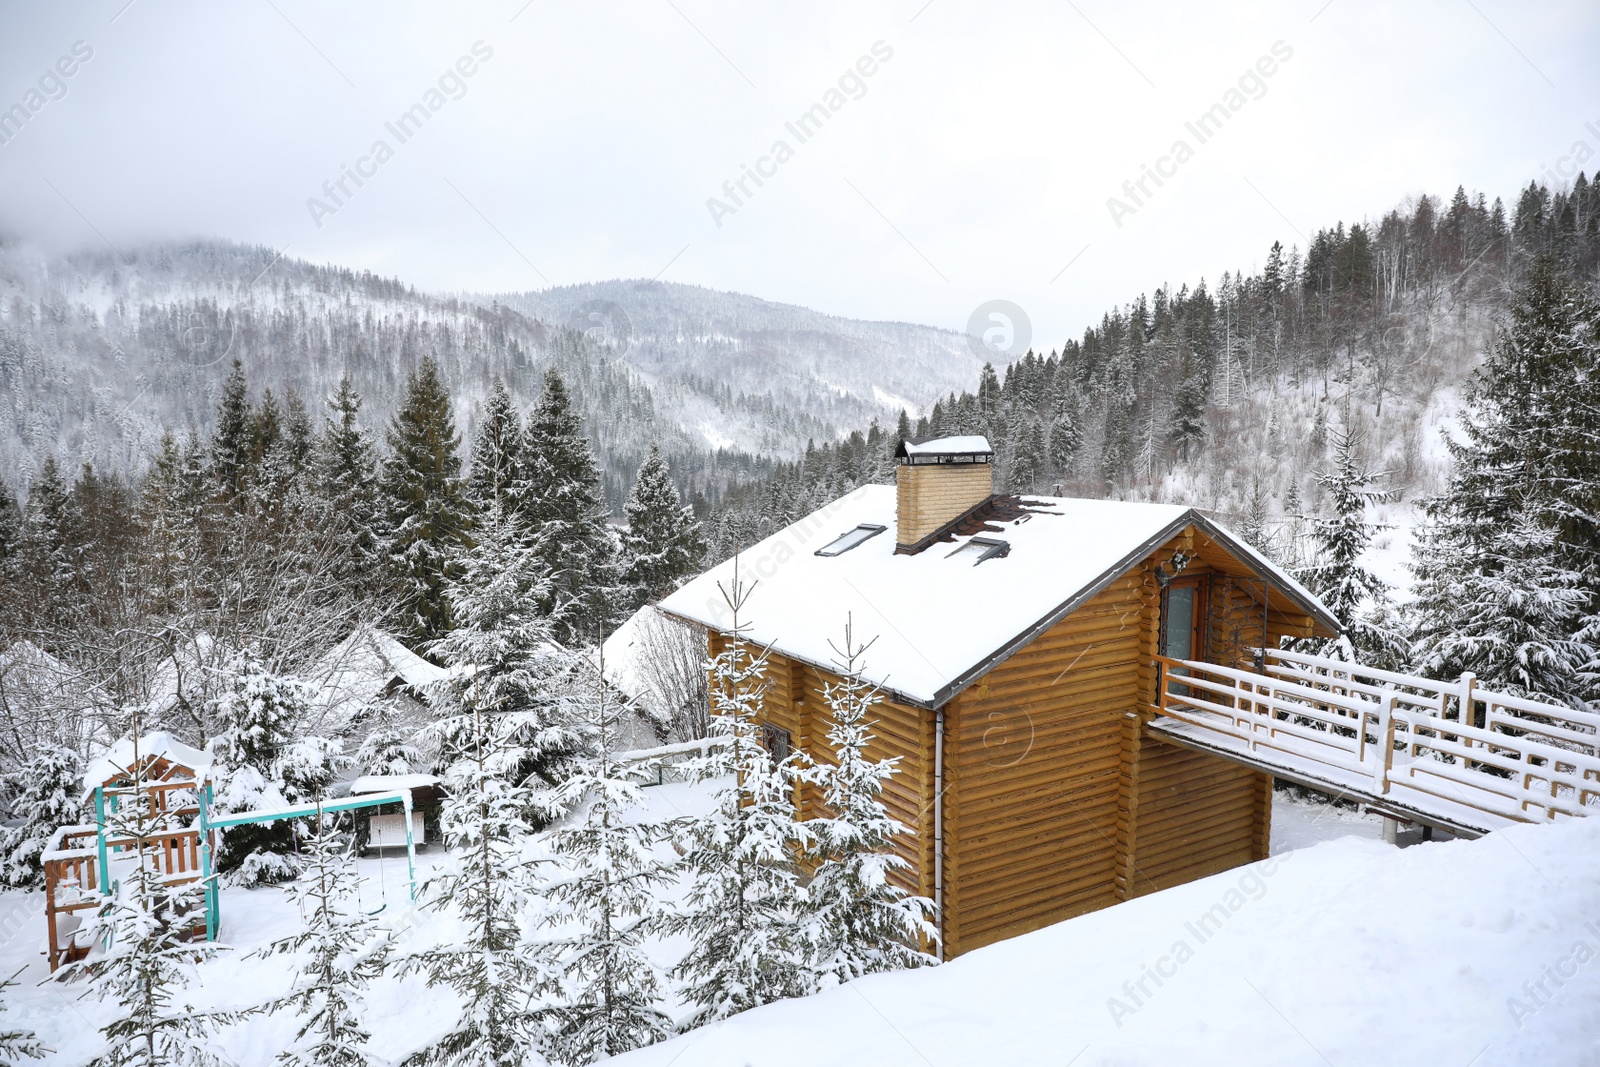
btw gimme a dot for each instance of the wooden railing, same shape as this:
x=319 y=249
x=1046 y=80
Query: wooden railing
x=71 y=863
x=1452 y=748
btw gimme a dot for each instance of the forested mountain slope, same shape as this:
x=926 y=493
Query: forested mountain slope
x=1227 y=395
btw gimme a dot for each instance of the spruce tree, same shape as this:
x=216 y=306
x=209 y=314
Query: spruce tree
x=10 y=530
x=488 y=883
x=1188 y=415
x=346 y=471
x=1528 y=465
x=425 y=508
x=47 y=790
x=857 y=920
x=662 y=545
x=509 y=664
x=606 y=994
x=339 y=949
x=258 y=714
x=741 y=913
x=387 y=747
x=499 y=470
x=1358 y=598
x=232 y=441
x=574 y=543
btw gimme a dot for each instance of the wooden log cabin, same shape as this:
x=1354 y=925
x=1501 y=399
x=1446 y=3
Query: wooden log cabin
x=1015 y=645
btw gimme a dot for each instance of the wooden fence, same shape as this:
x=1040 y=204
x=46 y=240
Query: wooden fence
x=1470 y=756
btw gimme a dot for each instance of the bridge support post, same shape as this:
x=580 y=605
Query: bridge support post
x=1391 y=831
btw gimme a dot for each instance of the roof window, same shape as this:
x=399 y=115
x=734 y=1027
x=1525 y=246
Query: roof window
x=846 y=541
x=979 y=549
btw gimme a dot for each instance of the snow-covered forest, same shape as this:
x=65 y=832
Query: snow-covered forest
x=502 y=494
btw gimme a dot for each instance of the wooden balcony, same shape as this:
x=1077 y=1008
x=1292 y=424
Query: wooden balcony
x=1448 y=755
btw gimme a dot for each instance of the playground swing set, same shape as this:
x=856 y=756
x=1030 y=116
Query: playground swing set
x=84 y=864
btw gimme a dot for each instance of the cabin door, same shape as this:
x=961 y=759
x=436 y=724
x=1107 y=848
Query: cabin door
x=1182 y=622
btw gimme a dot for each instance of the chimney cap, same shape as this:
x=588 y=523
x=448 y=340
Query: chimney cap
x=967 y=448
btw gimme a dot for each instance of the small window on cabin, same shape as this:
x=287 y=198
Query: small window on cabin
x=846 y=541
x=978 y=549
x=776 y=742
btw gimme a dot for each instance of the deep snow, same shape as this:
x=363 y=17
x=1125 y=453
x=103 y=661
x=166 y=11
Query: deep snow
x=1337 y=950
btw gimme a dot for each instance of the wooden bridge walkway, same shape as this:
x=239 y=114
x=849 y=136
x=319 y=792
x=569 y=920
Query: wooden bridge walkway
x=1452 y=755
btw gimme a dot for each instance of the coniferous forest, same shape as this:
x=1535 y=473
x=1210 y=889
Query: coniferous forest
x=502 y=507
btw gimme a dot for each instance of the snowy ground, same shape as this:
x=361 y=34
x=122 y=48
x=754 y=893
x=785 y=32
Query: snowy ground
x=1337 y=950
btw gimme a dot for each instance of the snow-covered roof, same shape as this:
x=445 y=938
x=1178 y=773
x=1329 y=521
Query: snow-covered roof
x=365 y=664
x=622 y=651
x=961 y=445
x=941 y=620
x=117 y=760
x=389 y=783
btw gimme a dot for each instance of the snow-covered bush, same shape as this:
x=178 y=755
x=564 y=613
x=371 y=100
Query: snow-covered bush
x=48 y=790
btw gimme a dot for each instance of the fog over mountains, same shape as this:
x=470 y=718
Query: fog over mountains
x=101 y=350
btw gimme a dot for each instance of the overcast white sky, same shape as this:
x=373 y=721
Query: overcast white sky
x=976 y=164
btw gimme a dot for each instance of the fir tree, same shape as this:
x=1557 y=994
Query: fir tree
x=662 y=545
x=499 y=469
x=17 y=1044
x=425 y=508
x=232 y=441
x=259 y=714
x=387 y=747
x=741 y=912
x=1188 y=415
x=1529 y=463
x=509 y=664
x=148 y=964
x=488 y=883
x=1027 y=458
x=607 y=993
x=1356 y=597
x=340 y=950
x=10 y=530
x=1516 y=613
x=47 y=790
x=858 y=921
x=573 y=541
x=346 y=471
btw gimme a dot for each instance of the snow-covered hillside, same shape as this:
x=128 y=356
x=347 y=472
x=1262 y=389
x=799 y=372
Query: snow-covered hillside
x=1349 y=952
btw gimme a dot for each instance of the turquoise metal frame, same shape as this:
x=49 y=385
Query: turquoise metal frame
x=208 y=823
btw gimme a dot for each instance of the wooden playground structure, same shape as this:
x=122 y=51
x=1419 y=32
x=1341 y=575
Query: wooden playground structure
x=85 y=864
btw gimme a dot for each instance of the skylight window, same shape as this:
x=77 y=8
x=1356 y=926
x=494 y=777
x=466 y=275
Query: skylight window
x=979 y=549
x=846 y=541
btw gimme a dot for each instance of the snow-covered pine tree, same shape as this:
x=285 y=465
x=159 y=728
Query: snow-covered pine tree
x=1358 y=598
x=17 y=1044
x=425 y=509
x=145 y=962
x=574 y=543
x=258 y=714
x=1527 y=462
x=232 y=450
x=340 y=950
x=10 y=529
x=1188 y=415
x=741 y=913
x=857 y=920
x=387 y=747
x=489 y=883
x=499 y=468
x=662 y=545
x=346 y=479
x=607 y=993
x=1516 y=611
x=509 y=663
x=47 y=790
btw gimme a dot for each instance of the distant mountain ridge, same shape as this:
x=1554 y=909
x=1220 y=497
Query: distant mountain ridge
x=101 y=351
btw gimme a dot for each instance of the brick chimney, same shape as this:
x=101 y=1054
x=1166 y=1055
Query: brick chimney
x=937 y=481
